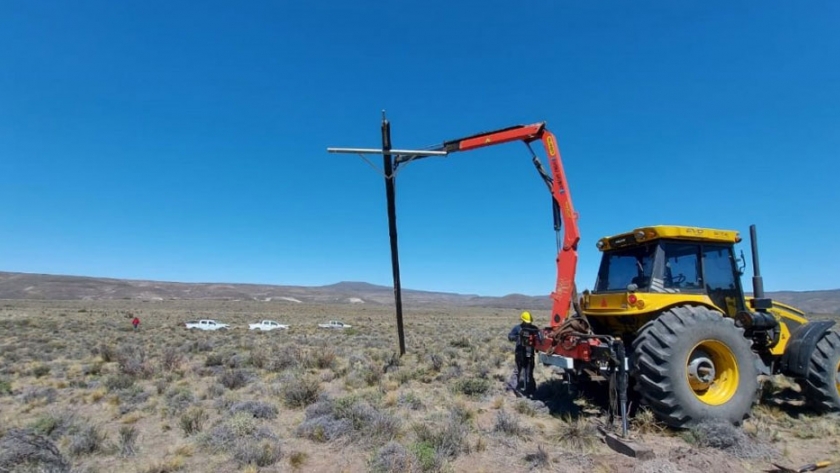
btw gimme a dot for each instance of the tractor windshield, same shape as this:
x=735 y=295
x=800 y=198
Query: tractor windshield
x=625 y=266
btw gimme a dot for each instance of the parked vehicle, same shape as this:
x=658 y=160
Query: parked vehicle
x=334 y=324
x=266 y=325
x=207 y=324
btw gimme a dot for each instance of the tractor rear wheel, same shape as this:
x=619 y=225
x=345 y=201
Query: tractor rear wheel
x=822 y=384
x=692 y=363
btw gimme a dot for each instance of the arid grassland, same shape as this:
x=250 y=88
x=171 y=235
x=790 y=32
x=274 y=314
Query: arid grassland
x=81 y=391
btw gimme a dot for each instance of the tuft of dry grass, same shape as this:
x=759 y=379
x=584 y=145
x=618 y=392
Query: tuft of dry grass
x=298 y=459
x=644 y=422
x=192 y=421
x=577 y=435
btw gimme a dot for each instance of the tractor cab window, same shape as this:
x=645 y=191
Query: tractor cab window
x=722 y=284
x=681 y=270
x=625 y=266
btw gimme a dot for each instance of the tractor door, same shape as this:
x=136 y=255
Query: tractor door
x=720 y=275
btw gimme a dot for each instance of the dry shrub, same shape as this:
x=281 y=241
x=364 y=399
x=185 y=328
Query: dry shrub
x=119 y=381
x=461 y=342
x=31 y=394
x=410 y=400
x=128 y=439
x=258 y=358
x=258 y=409
x=330 y=419
x=171 y=359
x=538 y=459
x=107 y=352
x=436 y=362
x=297 y=459
x=233 y=432
x=824 y=426
x=393 y=458
x=364 y=374
x=447 y=440
x=508 y=424
x=301 y=391
x=214 y=359
x=5 y=387
x=132 y=361
x=324 y=358
x=23 y=450
x=192 y=421
x=724 y=436
x=473 y=386
x=260 y=453
x=166 y=466
x=55 y=424
x=234 y=378
x=524 y=406
x=178 y=399
x=285 y=358
x=87 y=440
x=40 y=370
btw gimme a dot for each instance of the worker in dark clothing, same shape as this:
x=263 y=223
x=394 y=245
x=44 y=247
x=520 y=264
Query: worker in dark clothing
x=526 y=334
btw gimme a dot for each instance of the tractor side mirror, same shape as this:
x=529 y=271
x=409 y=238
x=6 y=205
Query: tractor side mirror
x=742 y=264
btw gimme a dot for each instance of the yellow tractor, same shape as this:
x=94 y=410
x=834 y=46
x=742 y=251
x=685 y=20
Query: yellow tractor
x=696 y=343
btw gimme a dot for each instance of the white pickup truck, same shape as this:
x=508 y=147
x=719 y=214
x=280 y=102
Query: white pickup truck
x=334 y=324
x=207 y=324
x=265 y=325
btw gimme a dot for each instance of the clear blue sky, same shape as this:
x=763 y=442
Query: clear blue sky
x=162 y=140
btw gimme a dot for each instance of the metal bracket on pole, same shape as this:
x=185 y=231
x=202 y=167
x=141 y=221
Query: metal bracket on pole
x=392 y=158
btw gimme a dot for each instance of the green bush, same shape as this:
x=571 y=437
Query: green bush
x=473 y=386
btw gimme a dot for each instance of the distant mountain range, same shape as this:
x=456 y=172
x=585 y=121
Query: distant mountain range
x=60 y=287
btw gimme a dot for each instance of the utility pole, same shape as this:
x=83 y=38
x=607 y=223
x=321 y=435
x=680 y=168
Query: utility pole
x=391 y=160
x=392 y=225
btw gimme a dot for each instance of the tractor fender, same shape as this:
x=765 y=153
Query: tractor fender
x=801 y=346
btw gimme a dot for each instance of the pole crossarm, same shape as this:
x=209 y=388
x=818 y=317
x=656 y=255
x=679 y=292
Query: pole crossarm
x=400 y=156
x=407 y=152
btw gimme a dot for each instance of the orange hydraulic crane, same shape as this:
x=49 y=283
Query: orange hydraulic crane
x=568 y=342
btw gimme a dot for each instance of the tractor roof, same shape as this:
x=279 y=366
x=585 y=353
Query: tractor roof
x=646 y=234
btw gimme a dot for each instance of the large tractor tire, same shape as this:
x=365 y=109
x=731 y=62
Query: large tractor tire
x=822 y=384
x=692 y=363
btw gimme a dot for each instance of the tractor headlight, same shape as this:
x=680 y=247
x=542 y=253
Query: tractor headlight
x=640 y=235
x=600 y=244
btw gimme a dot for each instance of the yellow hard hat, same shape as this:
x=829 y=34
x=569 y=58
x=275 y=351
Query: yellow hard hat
x=526 y=317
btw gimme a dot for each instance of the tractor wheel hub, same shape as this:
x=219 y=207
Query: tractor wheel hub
x=701 y=372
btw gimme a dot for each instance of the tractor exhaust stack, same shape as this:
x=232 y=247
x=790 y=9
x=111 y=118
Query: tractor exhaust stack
x=757 y=281
x=760 y=303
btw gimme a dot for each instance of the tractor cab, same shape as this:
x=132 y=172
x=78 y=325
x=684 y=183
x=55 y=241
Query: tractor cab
x=651 y=268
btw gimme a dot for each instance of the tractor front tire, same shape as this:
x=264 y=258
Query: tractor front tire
x=692 y=363
x=822 y=384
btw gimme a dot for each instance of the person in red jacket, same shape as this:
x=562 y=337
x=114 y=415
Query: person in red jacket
x=135 y=322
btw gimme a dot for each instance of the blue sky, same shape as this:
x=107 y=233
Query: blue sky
x=158 y=140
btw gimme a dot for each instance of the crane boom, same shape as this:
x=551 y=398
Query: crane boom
x=569 y=343
x=564 y=289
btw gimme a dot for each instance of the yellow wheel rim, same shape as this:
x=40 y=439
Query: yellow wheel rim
x=837 y=378
x=712 y=372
